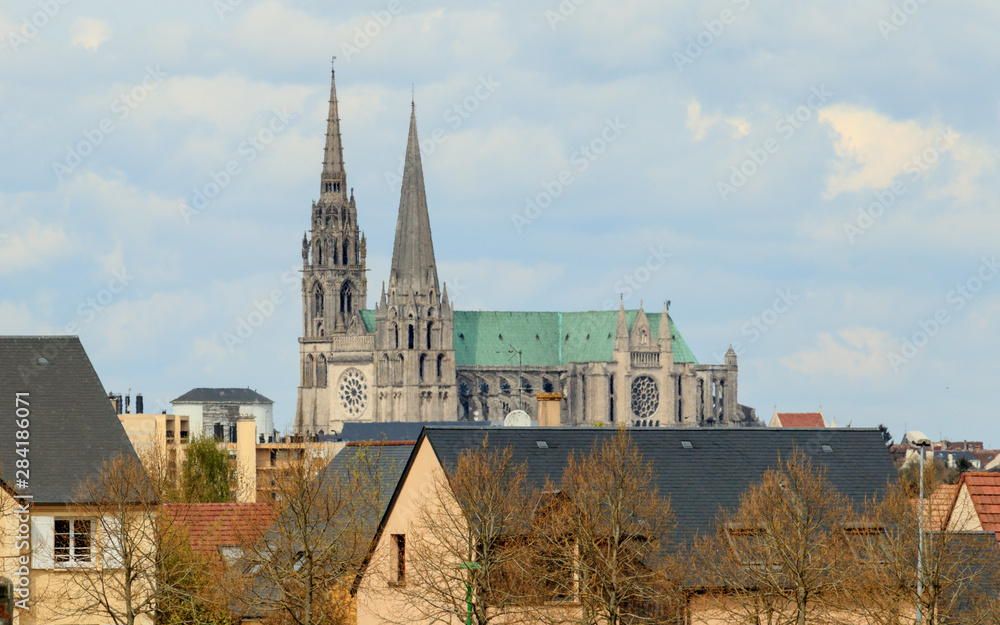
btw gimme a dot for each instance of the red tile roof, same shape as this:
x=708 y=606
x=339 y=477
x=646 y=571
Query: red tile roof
x=213 y=525
x=984 y=489
x=801 y=420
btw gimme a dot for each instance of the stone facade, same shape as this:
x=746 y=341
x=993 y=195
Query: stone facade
x=415 y=358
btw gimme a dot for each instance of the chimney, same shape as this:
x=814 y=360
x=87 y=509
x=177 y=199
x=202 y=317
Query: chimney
x=246 y=460
x=114 y=401
x=549 y=409
x=138 y=403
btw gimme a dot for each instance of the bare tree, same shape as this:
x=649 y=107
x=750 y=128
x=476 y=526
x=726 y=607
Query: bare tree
x=609 y=528
x=319 y=529
x=470 y=545
x=781 y=557
x=958 y=573
x=126 y=549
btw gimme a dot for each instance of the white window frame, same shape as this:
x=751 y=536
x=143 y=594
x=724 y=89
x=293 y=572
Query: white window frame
x=75 y=560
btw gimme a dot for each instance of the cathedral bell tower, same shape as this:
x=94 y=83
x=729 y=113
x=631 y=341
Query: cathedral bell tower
x=334 y=281
x=414 y=351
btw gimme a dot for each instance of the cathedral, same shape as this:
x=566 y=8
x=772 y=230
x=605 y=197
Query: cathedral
x=413 y=357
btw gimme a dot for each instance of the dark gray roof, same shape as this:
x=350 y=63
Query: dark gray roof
x=73 y=428
x=700 y=481
x=223 y=396
x=359 y=431
x=390 y=458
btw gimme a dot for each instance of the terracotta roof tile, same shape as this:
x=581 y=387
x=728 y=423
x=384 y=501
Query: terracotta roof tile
x=214 y=525
x=984 y=489
x=801 y=420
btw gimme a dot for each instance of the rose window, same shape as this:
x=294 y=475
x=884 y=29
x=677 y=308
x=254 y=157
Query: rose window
x=353 y=391
x=645 y=397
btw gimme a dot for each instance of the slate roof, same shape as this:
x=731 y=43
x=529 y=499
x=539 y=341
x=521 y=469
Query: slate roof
x=700 y=481
x=213 y=525
x=801 y=420
x=395 y=431
x=984 y=489
x=546 y=339
x=391 y=458
x=73 y=428
x=222 y=396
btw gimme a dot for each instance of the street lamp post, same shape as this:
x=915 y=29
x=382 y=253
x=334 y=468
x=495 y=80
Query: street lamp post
x=468 y=566
x=920 y=441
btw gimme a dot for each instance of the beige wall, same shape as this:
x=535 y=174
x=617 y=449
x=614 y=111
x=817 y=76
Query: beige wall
x=963 y=515
x=53 y=589
x=378 y=602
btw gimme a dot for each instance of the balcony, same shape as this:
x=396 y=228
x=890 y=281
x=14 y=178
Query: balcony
x=645 y=360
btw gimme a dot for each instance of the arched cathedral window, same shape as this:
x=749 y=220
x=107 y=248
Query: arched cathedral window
x=318 y=300
x=321 y=370
x=345 y=298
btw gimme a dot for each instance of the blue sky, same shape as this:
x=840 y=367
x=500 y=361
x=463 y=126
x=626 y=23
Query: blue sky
x=814 y=183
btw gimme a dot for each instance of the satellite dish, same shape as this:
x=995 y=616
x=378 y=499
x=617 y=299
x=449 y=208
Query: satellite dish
x=517 y=419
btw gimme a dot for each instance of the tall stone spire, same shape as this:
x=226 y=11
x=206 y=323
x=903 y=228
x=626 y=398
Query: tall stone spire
x=413 y=266
x=334 y=178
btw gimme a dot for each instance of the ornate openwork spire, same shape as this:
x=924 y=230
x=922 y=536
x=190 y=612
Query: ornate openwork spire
x=334 y=178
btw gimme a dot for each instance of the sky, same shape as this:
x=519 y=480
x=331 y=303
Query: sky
x=814 y=183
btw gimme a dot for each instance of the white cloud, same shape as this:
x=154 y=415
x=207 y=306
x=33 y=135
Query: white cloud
x=30 y=246
x=17 y=318
x=698 y=123
x=872 y=148
x=856 y=353
x=89 y=33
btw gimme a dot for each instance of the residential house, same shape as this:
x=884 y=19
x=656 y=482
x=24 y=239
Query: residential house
x=977 y=504
x=59 y=429
x=701 y=470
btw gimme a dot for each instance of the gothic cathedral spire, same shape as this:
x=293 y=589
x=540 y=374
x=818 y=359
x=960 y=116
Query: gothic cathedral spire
x=334 y=282
x=414 y=349
x=413 y=267
x=334 y=178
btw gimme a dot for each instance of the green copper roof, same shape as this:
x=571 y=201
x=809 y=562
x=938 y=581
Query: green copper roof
x=545 y=339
